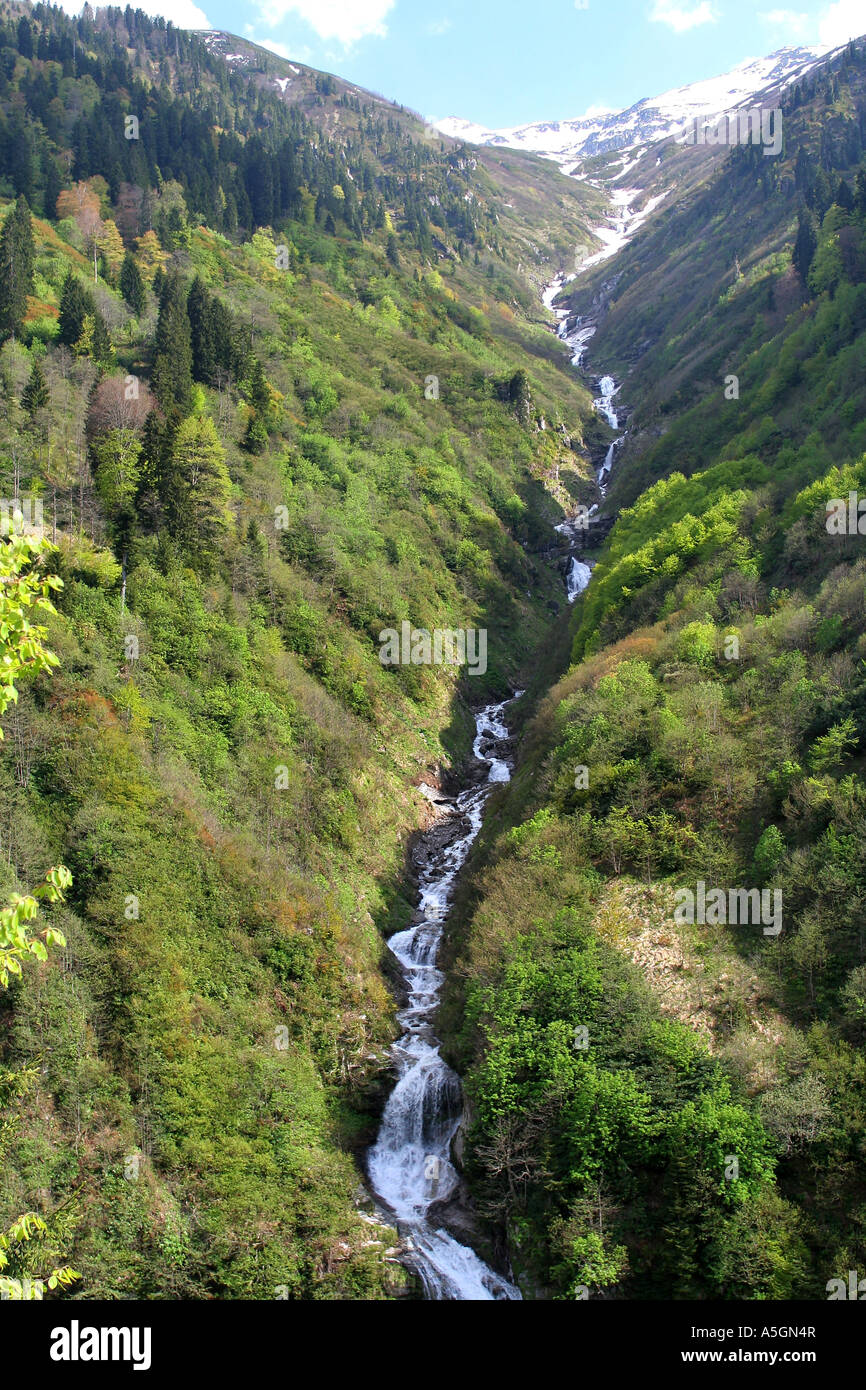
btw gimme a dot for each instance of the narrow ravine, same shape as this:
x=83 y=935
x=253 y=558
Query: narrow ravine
x=577 y=339
x=410 y=1166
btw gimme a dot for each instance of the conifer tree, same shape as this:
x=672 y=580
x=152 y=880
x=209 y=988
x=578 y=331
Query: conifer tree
x=75 y=304
x=36 y=394
x=201 y=320
x=132 y=285
x=172 y=368
x=16 y=268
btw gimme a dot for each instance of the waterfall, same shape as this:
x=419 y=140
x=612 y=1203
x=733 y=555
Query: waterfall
x=577 y=578
x=410 y=1164
x=604 y=402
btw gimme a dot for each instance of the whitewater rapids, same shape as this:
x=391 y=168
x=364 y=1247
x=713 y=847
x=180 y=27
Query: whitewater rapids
x=410 y=1165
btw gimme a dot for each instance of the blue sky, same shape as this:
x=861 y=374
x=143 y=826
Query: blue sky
x=507 y=62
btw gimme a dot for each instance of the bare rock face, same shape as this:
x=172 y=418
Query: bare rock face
x=443 y=833
x=457 y=1216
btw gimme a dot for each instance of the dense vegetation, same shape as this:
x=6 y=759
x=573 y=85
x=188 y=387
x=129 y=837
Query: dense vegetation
x=272 y=368
x=258 y=439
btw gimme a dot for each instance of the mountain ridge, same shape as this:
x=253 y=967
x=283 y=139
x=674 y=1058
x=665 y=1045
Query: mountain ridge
x=570 y=142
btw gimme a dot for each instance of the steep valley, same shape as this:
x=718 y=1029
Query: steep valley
x=425 y=600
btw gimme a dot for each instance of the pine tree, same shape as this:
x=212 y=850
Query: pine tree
x=258 y=391
x=75 y=304
x=132 y=285
x=256 y=437
x=16 y=268
x=172 y=367
x=199 y=307
x=102 y=350
x=82 y=327
x=36 y=394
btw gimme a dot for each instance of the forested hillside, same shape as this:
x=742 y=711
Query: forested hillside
x=274 y=391
x=663 y=1106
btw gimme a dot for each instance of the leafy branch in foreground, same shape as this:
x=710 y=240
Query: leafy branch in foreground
x=22 y=647
x=15 y=942
x=22 y=591
x=26 y=1289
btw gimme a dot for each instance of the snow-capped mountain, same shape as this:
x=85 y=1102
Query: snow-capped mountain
x=653 y=118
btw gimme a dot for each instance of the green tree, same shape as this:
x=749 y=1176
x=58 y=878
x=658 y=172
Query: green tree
x=256 y=437
x=116 y=456
x=200 y=314
x=520 y=395
x=769 y=852
x=35 y=396
x=94 y=341
x=132 y=285
x=833 y=747
x=172 y=367
x=16 y=268
x=76 y=305
x=118 y=475
x=200 y=488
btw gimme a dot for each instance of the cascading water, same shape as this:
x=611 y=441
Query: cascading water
x=410 y=1164
x=577 y=578
x=603 y=403
x=580 y=335
x=608 y=387
x=607 y=467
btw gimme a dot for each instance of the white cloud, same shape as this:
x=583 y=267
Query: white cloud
x=182 y=13
x=437 y=27
x=843 y=21
x=344 y=20
x=681 y=18
x=592 y=112
x=794 y=21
